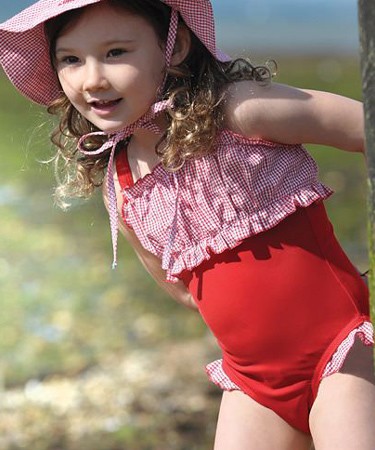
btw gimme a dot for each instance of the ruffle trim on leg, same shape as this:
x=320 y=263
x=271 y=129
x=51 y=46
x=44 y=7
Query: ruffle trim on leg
x=216 y=374
x=365 y=332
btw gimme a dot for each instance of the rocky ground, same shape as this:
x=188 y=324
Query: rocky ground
x=156 y=399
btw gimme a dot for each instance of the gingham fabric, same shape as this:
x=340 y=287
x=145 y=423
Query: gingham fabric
x=365 y=332
x=212 y=203
x=24 y=53
x=216 y=374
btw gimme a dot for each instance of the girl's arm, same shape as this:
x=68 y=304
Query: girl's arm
x=289 y=115
x=177 y=291
x=152 y=264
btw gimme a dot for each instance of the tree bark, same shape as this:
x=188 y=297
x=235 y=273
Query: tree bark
x=366 y=9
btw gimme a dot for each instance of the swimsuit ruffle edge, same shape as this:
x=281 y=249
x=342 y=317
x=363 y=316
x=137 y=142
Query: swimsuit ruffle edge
x=365 y=332
x=233 y=234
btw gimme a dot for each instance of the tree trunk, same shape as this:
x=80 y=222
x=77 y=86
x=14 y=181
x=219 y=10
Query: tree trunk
x=367 y=40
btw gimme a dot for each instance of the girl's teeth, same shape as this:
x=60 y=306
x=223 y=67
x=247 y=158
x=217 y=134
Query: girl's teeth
x=106 y=102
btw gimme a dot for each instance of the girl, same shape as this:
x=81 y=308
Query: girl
x=207 y=179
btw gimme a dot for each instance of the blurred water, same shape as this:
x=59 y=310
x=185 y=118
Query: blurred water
x=289 y=38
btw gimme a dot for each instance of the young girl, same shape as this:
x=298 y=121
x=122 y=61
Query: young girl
x=207 y=179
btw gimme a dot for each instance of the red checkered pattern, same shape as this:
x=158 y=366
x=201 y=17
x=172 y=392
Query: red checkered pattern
x=171 y=39
x=365 y=332
x=198 y=16
x=24 y=53
x=216 y=374
x=212 y=203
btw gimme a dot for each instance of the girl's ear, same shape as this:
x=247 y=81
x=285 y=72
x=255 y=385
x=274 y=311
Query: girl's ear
x=182 y=46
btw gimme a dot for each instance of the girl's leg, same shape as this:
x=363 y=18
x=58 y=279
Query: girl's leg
x=244 y=424
x=343 y=415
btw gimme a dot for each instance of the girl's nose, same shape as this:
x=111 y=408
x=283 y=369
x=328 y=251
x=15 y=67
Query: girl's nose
x=94 y=77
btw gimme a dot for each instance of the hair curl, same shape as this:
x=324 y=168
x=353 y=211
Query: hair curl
x=196 y=88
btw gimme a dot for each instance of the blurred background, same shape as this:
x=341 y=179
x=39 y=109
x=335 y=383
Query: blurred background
x=98 y=359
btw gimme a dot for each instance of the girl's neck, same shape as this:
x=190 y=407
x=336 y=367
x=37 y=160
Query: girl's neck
x=141 y=151
x=145 y=139
x=142 y=156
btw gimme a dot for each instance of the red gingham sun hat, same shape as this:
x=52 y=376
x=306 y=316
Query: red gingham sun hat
x=24 y=52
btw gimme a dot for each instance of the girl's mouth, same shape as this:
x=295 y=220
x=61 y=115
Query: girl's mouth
x=105 y=105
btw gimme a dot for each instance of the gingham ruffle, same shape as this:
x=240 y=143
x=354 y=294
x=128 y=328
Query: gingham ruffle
x=365 y=332
x=212 y=203
x=216 y=374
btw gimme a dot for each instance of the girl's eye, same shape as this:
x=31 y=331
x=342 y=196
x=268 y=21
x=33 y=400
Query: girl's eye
x=116 y=52
x=69 y=60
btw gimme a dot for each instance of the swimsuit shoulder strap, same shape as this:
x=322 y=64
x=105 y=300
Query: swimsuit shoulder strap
x=123 y=170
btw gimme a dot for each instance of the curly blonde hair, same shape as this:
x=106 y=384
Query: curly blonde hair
x=196 y=88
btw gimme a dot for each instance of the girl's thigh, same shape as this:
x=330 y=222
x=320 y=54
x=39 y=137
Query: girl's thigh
x=244 y=424
x=343 y=414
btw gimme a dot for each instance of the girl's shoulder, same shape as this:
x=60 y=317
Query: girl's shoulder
x=250 y=106
x=281 y=113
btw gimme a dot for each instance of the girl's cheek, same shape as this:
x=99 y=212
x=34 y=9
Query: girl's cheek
x=69 y=85
x=69 y=75
x=63 y=80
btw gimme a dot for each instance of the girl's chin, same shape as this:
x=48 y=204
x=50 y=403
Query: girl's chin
x=114 y=126
x=111 y=128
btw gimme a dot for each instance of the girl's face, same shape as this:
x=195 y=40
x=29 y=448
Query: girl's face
x=110 y=66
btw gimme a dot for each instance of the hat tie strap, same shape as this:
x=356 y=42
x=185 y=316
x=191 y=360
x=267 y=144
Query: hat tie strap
x=171 y=39
x=113 y=139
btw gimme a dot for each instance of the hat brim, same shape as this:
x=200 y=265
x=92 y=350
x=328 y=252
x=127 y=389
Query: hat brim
x=24 y=50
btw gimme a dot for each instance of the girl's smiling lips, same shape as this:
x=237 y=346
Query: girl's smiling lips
x=104 y=106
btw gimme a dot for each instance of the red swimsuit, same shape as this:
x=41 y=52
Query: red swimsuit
x=277 y=336
x=280 y=303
